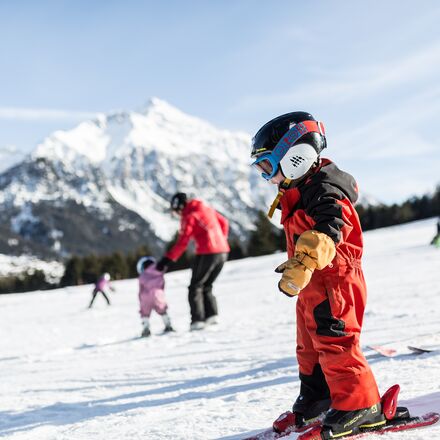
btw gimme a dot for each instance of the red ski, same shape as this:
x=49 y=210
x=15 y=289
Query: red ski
x=394 y=425
x=397 y=419
x=384 y=351
x=285 y=425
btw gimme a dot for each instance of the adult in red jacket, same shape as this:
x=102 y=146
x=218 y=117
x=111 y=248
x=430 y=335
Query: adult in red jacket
x=209 y=229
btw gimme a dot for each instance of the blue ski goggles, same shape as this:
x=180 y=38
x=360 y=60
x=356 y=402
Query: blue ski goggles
x=268 y=163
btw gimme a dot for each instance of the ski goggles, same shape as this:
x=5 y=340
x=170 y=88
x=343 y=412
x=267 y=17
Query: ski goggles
x=268 y=163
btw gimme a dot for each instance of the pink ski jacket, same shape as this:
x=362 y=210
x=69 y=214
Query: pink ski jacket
x=151 y=281
x=102 y=284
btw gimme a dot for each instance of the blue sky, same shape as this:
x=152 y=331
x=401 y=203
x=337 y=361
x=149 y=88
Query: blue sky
x=370 y=70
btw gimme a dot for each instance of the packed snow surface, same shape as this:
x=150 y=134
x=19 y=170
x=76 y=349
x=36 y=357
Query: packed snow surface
x=69 y=373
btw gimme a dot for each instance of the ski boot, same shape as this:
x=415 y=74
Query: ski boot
x=212 y=320
x=305 y=414
x=197 y=325
x=168 y=328
x=167 y=323
x=338 y=423
x=146 y=332
x=145 y=328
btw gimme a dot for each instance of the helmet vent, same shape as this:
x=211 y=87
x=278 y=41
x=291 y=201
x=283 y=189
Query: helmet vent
x=297 y=161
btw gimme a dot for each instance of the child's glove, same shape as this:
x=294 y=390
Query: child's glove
x=313 y=250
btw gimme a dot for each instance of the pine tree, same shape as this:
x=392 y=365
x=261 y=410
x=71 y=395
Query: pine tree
x=237 y=251
x=73 y=272
x=116 y=265
x=265 y=239
x=92 y=269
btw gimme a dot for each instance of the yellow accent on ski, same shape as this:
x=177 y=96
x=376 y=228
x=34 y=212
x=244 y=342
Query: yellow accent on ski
x=373 y=425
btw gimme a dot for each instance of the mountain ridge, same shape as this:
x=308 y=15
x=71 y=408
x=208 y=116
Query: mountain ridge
x=121 y=168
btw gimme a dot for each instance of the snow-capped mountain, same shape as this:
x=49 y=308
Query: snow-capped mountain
x=105 y=185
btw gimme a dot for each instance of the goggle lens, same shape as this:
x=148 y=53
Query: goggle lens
x=265 y=166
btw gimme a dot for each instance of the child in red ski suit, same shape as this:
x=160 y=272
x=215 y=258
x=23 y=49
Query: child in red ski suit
x=324 y=247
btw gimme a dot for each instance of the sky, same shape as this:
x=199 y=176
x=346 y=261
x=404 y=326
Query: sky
x=369 y=70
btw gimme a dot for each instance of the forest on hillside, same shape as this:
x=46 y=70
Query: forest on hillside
x=265 y=239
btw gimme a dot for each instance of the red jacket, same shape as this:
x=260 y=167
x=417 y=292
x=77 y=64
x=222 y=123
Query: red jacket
x=205 y=226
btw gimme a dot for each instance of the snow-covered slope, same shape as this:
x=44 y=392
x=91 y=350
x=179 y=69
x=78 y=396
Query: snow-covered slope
x=74 y=374
x=133 y=162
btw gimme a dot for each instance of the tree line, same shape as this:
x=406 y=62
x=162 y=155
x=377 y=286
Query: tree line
x=415 y=208
x=265 y=239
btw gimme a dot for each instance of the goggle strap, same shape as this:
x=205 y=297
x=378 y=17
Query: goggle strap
x=283 y=187
x=294 y=134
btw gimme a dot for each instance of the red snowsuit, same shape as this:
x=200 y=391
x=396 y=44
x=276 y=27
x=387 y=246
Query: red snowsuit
x=330 y=308
x=205 y=226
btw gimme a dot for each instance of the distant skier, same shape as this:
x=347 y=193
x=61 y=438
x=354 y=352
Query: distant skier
x=324 y=246
x=436 y=240
x=151 y=294
x=102 y=286
x=209 y=229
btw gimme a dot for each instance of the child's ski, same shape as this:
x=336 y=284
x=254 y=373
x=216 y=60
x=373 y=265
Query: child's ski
x=395 y=425
x=287 y=421
x=423 y=349
x=395 y=419
x=391 y=352
x=384 y=351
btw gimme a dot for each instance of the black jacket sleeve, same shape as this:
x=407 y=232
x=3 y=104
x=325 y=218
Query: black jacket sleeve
x=321 y=204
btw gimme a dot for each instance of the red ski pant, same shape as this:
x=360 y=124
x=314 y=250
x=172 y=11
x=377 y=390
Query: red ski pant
x=329 y=320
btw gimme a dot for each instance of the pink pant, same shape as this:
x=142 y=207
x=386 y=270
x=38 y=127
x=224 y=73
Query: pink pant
x=152 y=301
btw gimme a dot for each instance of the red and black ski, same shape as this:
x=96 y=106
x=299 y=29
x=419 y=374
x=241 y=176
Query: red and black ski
x=394 y=425
x=397 y=419
x=285 y=424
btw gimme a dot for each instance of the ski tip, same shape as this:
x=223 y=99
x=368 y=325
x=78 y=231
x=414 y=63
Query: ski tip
x=312 y=434
x=384 y=351
x=419 y=350
x=433 y=416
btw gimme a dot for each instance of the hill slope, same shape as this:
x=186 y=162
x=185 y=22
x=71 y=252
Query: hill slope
x=72 y=374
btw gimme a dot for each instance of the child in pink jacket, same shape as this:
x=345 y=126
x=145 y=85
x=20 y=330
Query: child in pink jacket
x=102 y=286
x=151 y=294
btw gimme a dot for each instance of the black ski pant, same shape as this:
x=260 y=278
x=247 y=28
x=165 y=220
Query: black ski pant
x=206 y=268
x=95 y=292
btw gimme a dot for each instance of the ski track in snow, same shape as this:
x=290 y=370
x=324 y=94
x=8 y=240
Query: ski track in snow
x=69 y=373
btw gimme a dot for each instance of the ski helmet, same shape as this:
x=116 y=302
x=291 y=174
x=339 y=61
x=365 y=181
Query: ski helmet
x=143 y=263
x=178 y=201
x=292 y=142
x=107 y=276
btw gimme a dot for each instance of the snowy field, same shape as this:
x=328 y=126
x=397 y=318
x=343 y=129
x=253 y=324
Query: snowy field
x=69 y=373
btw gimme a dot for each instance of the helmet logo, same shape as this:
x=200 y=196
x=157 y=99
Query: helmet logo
x=297 y=160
